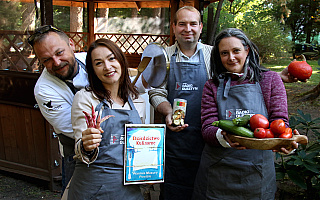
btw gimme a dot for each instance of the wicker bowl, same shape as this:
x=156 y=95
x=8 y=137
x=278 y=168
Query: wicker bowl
x=268 y=143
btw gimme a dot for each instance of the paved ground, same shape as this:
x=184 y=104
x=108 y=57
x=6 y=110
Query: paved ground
x=19 y=187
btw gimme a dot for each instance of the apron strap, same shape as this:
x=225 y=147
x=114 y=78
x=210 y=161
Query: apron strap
x=227 y=87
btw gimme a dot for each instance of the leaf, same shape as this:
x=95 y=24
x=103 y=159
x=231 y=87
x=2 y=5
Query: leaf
x=293 y=122
x=306 y=117
x=311 y=168
x=298 y=162
x=316 y=120
x=302 y=154
x=311 y=155
x=301 y=120
x=297 y=179
x=280 y=175
x=314 y=147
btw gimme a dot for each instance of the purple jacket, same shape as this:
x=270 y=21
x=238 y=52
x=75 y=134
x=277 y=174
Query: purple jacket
x=274 y=95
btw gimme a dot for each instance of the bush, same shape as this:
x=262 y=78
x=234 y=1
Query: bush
x=303 y=167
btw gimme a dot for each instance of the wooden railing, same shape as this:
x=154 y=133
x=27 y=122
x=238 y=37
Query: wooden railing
x=17 y=55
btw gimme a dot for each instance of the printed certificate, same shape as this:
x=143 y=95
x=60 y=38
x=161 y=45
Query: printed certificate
x=144 y=153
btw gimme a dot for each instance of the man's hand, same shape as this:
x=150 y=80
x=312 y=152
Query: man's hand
x=174 y=128
x=286 y=77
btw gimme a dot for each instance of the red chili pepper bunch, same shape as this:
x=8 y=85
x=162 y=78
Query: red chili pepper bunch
x=92 y=120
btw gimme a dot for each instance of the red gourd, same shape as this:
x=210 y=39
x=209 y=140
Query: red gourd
x=300 y=69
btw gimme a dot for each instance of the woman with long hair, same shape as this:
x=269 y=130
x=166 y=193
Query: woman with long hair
x=99 y=150
x=239 y=85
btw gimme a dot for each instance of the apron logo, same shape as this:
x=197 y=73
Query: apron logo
x=234 y=113
x=116 y=139
x=230 y=113
x=178 y=86
x=50 y=107
x=242 y=112
x=186 y=86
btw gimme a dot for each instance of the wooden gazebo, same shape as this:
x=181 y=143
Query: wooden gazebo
x=28 y=144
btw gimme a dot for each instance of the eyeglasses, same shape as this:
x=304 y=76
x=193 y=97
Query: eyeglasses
x=40 y=31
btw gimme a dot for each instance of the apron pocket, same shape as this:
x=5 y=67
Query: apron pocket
x=100 y=194
x=234 y=179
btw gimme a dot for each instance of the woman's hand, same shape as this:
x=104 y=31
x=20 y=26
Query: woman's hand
x=91 y=138
x=294 y=145
x=235 y=145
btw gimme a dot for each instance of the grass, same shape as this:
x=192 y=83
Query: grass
x=312 y=82
x=295 y=89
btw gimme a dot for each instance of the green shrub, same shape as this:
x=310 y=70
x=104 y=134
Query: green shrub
x=303 y=167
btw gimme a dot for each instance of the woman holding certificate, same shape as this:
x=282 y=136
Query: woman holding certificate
x=99 y=145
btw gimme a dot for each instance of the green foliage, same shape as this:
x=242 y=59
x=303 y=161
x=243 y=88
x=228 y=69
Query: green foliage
x=256 y=19
x=302 y=19
x=60 y=14
x=303 y=167
x=265 y=31
x=10 y=15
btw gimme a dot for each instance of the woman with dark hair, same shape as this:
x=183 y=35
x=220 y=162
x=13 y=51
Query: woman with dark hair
x=239 y=85
x=99 y=151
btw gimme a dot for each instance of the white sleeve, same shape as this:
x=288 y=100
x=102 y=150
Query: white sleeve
x=82 y=102
x=55 y=108
x=221 y=139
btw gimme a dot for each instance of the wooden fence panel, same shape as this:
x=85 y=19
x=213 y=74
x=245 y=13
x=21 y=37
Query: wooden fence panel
x=28 y=145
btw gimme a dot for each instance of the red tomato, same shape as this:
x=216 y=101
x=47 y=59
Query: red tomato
x=269 y=133
x=278 y=127
x=286 y=134
x=259 y=133
x=258 y=121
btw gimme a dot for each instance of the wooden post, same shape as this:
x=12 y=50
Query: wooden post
x=90 y=22
x=46 y=8
x=174 y=7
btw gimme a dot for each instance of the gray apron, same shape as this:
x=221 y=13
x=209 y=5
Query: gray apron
x=183 y=149
x=103 y=179
x=227 y=173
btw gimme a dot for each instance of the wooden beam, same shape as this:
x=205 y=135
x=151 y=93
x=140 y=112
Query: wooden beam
x=90 y=22
x=138 y=5
x=174 y=5
x=46 y=8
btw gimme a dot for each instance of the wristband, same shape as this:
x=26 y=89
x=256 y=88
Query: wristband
x=87 y=153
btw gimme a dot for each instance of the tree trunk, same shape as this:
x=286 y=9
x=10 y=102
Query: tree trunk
x=76 y=24
x=76 y=21
x=163 y=18
x=215 y=24
x=210 y=23
x=134 y=12
x=312 y=94
x=28 y=17
x=156 y=12
x=102 y=24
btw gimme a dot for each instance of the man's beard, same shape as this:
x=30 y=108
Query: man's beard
x=69 y=74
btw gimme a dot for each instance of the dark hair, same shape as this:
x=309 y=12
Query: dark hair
x=252 y=67
x=42 y=31
x=95 y=84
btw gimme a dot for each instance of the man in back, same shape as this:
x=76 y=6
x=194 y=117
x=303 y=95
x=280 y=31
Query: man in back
x=189 y=69
x=63 y=75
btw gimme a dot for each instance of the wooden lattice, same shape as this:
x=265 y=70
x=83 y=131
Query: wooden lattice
x=17 y=55
x=80 y=40
x=134 y=43
x=15 y=52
